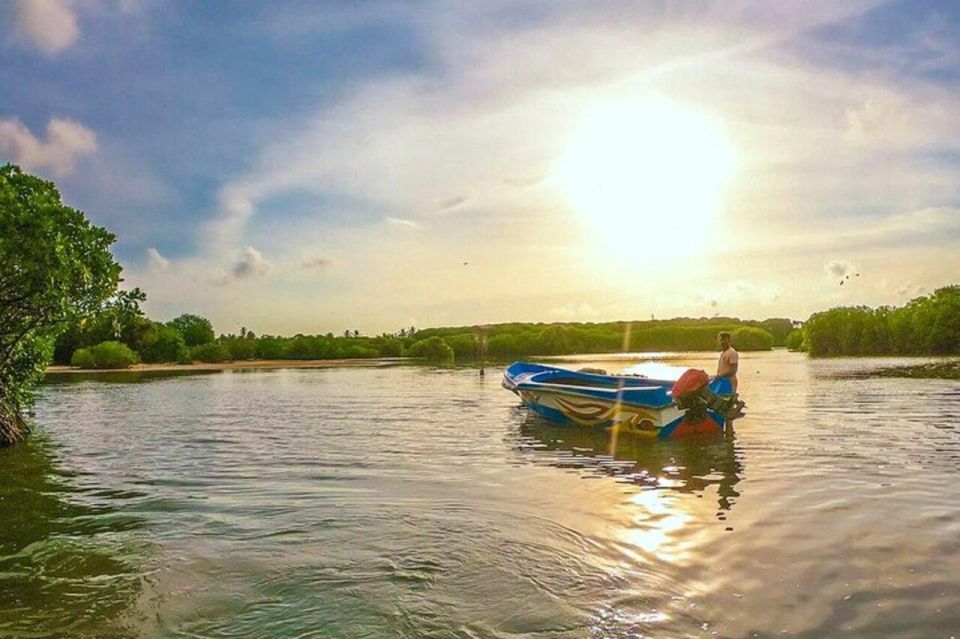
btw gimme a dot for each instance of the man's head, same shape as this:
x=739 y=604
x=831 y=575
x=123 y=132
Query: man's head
x=723 y=339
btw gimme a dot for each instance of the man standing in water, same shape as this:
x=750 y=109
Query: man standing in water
x=729 y=359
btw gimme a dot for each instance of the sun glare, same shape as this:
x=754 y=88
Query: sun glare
x=648 y=177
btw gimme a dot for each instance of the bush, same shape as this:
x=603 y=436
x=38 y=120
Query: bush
x=82 y=358
x=105 y=355
x=161 y=343
x=240 y=347
x=432 y=349
x=356 y=351
x=271 y=347
x=212 y=353
x=751 y=339
x=504 y=347
x=390 y=348
x=196 y=330
x=464 y=346
x=794 y=340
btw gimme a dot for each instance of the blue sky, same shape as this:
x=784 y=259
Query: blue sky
x=305 y=166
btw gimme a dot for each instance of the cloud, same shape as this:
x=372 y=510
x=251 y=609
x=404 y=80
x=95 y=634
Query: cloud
x=49 y=25
x=397 y=221
x=452 y=202
x=832 y=158
x=251 y=265
x=839 y=268
x=317 y=262
x=157 y=261
x=66 y=142
x=912 y=290
x=236 y=207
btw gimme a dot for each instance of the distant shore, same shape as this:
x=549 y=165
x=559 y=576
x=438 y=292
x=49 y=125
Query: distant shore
x=226 y=366
x=931 y=370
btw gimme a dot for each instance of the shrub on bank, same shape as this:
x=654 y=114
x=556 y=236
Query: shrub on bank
x=432 y=349
x=794 y=341
x=390 y=348
x=212 y=353
x=240 y=347
x=82 y=358
x=162 y=343
x=751 y=339
x=105 y=355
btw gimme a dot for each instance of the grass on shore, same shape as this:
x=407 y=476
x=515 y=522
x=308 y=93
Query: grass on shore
x=934 y=370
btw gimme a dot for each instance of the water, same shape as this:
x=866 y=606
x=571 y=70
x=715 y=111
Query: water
x=413 y=502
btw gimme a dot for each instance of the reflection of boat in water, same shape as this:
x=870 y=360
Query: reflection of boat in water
x=686 y=466
x=631 y=403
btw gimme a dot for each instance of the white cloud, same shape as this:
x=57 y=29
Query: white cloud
x=66 y=142
x=827 y=156
x=50 y=25
x=399 y=221
x=252 y=264
x=156 y=261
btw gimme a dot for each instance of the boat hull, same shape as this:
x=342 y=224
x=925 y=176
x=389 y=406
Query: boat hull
x=632 y=404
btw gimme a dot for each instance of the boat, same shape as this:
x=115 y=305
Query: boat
x=659 y=408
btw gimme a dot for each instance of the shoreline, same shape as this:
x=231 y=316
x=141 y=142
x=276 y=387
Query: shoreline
x=931 y=370
x=202 y=367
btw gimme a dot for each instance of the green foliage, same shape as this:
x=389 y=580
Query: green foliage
x=214 y=352
x=268 y=347
x=749 y=338
x=119 y=318
x=390 y=348
x=794 y=341
x=928 y=325
x=162 y=343
x=432 y=349
x=82 y=358
x=504 y=346
x=778 y=327
x=54 y=267
x=240 y=348
x=195 y=329
x=464 y=346
x=105 y=355
x=358 y=351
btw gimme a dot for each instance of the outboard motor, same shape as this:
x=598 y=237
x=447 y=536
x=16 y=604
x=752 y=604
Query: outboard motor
x=692 y=394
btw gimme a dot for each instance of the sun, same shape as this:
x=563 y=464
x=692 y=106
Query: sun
x=648 y=178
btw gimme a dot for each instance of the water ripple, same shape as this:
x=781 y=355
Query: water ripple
x=415 y=502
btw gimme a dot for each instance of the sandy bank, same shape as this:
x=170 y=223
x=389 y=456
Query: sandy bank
x=225 y=366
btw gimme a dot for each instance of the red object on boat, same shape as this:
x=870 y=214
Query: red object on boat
x=692 y=381
x=706 y=426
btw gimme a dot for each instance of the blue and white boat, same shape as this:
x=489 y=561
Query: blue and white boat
x=630 y=403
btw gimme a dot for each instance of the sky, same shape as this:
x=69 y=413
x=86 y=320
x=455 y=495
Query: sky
x=309 y=167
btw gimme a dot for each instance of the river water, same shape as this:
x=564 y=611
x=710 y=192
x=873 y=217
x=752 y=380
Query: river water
x=415 y=502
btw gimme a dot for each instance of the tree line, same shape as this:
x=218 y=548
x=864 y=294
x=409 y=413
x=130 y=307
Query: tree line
x=119 y=335
x=927 y=325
